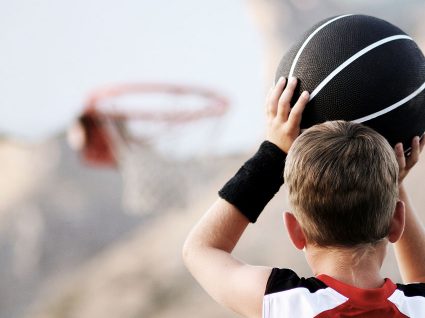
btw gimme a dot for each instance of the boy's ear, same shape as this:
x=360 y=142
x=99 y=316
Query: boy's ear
x=295 y=231
x=397 y=223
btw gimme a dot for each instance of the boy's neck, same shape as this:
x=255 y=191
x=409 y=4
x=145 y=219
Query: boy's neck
x=359 y=267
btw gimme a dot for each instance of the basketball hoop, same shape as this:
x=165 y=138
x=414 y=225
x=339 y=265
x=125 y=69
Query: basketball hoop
x=139 y=129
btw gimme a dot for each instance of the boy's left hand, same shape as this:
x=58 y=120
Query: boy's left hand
x=405 y=164
x=283 y=122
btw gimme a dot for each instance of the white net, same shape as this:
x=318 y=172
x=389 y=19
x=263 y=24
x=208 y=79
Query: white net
x=157 y=152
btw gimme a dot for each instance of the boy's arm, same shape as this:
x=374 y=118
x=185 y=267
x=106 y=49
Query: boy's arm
x=207 y=254
x=208 y=247
x=410 y=248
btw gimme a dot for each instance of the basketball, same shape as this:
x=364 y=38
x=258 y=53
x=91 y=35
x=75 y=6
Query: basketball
x=363 y=69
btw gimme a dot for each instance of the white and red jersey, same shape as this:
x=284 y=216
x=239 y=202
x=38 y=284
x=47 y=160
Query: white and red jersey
x=288 y=295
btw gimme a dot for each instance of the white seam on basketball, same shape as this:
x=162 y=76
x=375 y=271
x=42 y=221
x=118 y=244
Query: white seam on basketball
x=297 y=56
x=392 y=107
x=355 y=57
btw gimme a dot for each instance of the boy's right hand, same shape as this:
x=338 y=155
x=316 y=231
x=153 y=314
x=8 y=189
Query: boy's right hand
x=405 y=164
x=283 y=122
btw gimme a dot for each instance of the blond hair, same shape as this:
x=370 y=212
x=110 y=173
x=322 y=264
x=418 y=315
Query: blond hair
x=342 y=184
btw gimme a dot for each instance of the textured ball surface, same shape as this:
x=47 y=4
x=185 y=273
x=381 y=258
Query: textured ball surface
x=363 y=69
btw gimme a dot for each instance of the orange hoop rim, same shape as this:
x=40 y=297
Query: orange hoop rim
x=99 y=148
x=216 y=106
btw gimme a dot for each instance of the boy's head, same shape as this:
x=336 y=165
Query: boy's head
x=342 y=184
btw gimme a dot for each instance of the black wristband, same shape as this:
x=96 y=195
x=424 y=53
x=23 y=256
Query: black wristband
x=256 y=182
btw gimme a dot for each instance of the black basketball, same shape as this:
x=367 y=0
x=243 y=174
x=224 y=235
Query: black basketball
x=363 y=69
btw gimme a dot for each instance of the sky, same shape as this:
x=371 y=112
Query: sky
x=54 y=53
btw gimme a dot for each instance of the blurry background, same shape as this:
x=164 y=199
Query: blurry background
x=68 y=247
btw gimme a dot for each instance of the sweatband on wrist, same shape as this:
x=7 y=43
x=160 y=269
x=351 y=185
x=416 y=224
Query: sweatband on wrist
x=256 y=182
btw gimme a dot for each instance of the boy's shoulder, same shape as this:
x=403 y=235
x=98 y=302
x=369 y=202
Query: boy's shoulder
x=288 y=295
x=412 y=289
x=296 y=296
x=283 y=279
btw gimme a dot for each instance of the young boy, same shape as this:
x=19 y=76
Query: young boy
x=346 y=190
